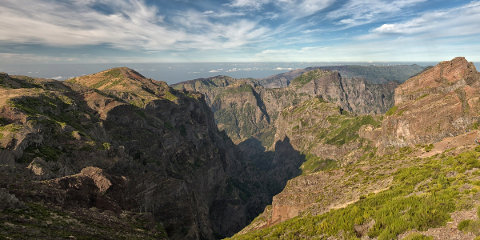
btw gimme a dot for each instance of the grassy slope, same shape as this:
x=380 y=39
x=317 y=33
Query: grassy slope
x=423 y=194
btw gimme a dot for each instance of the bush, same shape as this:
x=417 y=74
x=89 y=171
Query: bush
x=464 y=225
x=417 y=236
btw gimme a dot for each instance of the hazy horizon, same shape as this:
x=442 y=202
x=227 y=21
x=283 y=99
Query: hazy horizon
x=178 y=72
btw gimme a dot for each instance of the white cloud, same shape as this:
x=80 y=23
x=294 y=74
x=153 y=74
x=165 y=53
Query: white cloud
x=359 y=12
x=291 y=8
x=132 y=25
x=248 y=3
x=454 y=22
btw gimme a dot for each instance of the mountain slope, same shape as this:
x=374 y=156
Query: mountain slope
x=399 y=190
x=119 y=142
x=442 y=101
x=245 y=109
x=371 y=73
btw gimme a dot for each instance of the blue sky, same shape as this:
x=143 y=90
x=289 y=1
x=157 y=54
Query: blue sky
x=103 y=31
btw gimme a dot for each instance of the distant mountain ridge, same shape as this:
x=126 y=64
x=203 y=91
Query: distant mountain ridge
x=406 y=178
x=247 y=108
x=371 y=73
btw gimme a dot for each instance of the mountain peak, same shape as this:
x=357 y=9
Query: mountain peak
x=127 y=84
x=443 y=76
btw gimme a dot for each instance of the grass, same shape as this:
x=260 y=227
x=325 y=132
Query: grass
x=314 y=163
x=239 y=89
x=391 y=111
x=114 y=73
x=346 y=128
x=48 y=153
x=429 y=148
x=307 y=77
x=417 y=236
x=12 y=127
x=100 y=83
x=469 y=225
x=169 y=96
x=420 y=197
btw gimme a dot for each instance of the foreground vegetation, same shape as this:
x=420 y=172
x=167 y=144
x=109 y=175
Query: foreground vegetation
x=422 y=196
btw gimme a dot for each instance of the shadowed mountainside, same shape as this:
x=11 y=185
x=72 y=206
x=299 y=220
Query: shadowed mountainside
x=123 y=144
x=419 y=185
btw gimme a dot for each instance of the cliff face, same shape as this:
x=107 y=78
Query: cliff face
x=118 y=141
x=384 y=165
x=440 y=102
x=328 y=138
x=244 y=108
x=352 y=94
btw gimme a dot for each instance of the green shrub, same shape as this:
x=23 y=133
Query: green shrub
x=463 y=225
x=428 y=148
x=391 y=111
x=417 y=236
x=106 y=146
x=314 y=163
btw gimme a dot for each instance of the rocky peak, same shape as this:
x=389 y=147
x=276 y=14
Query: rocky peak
x=127 y=84
x=440 y=102
x=457 y=73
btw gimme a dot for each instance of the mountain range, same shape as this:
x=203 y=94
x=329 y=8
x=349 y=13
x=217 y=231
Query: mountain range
x=344 y=152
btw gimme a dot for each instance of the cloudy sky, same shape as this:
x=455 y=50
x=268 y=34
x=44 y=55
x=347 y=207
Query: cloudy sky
x=90 y=31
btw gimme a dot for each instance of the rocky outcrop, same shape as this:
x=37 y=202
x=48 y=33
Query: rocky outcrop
x=440 y=102
x=120 y=142
x=352 y=94
x=244 y=108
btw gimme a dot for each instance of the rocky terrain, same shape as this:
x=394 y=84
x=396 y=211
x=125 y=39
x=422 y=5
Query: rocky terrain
x=247 y=108
x=131 y=148
x=441 y=102
x=416 y=169
x=346 y=153
x=371 y=73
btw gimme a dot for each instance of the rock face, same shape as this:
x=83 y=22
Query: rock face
x=438 y=103
x=352 y=94
x=244 y=108
x=118 y=141
x=442 y=101
x=371 y=73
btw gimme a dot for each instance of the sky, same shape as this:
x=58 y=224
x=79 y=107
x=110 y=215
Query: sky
x=141 y=31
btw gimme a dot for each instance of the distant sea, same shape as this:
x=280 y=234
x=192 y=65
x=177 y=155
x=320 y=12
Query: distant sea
x=177 y=72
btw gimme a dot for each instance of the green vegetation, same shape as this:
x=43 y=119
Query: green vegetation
x=51 y=106
x=244 y=87
x=314 y=163
x=169 y=96
x=48 y=153
x=13 y=127
x=428 y=148
x=35 y=221
x=307 y=77
x=100 y=83
x=469 y=225
x=421 y=196
x=417 y=236
x=106 y=146
x=345 y=129
x=391 y=111
x=113 y=73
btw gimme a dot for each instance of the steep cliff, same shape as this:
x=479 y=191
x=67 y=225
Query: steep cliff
x=442 y=101
x=371 y=73
x=117 y=141
x=244 y=108
x=420 y=184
